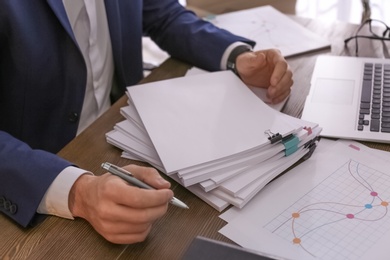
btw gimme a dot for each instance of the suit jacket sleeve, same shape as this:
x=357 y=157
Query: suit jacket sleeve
x=21 y=191
x=183 y=35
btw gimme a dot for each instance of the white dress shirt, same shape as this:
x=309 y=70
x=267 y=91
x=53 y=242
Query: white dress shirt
x=89 y=23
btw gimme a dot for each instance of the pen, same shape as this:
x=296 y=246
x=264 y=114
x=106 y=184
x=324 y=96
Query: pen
x=127 y=176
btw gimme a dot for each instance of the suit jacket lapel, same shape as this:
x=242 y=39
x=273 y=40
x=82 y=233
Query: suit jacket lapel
x=58 y=8
x=125 y=24
x=114 y=25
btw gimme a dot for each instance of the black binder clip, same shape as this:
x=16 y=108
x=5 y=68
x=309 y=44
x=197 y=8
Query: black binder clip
x=311 y=145
x=273 y=137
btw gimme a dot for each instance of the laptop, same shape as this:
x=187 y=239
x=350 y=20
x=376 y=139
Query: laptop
x=350 y=98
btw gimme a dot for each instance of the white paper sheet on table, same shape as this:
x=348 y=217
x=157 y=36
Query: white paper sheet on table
x=357 y=226
x=270 y=28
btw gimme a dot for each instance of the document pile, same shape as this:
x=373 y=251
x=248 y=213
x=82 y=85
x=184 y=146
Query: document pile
x=212 y=134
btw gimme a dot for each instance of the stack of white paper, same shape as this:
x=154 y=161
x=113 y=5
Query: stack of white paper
x=210 y=133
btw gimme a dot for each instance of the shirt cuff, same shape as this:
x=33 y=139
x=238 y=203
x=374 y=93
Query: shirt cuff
x=227 y=52
x=55 y=201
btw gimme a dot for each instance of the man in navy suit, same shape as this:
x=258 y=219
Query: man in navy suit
x=62 y=63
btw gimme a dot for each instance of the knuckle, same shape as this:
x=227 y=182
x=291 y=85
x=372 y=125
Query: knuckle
x=152 y=172
x=103 y=212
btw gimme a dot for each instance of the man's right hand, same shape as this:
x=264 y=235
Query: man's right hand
x=121 y=213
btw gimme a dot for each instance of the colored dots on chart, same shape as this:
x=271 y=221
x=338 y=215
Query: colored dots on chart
x=295 y=215
x=296 y=240
x=341 y=214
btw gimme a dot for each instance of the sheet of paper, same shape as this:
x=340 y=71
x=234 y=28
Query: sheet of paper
x=241 y=198
x=259 y=92
x=233 y=165
x=126 y=143
x=271 y=29
x=334 y=206
x=130 y=113
x=214 y=201
x=132 y=130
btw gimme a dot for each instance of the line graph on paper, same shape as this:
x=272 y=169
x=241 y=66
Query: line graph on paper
x=255 y=27
x=340 y=218
x=270 y=28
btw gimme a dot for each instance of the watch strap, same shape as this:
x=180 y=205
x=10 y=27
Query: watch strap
x=231 y=62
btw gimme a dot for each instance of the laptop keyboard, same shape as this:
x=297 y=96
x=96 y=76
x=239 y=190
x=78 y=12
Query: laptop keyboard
x=375 y=99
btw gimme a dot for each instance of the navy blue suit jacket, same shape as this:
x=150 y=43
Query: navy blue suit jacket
x=43 y=77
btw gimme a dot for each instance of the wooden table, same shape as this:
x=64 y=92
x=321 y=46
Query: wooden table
x=58 y=238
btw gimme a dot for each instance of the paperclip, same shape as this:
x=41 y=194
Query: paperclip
x=273 y=137
x=310 y=142
x=311 y=148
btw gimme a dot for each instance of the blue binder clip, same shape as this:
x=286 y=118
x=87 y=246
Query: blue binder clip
x=291 y=144
x=273 y=137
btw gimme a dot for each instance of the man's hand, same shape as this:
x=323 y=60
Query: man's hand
x=121 y=213
x=266 y=69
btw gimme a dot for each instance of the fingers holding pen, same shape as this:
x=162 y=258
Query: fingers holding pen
x=118 y=211
x=148 y=175
x=125 y=224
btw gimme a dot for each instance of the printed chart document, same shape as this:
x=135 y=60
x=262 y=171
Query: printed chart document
x=335 y=205
x=211 y=134
x=270 y=28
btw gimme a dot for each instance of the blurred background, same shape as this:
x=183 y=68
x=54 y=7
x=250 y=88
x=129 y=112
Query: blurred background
x=351 y=11
x=342 y=10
